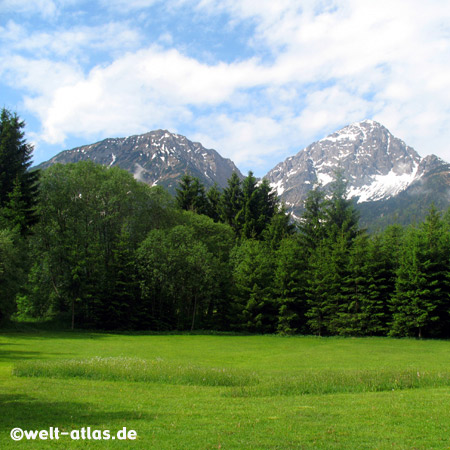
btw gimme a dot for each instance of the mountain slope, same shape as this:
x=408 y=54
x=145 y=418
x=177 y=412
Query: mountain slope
x=377 y=165
x=158 y=157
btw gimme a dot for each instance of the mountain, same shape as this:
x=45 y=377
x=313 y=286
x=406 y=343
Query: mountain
x=158 y=157
x=384 y=175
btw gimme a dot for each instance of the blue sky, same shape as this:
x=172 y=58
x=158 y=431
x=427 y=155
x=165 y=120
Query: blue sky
x=256 y=80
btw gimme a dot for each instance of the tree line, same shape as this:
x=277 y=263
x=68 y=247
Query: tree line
x=95 y=247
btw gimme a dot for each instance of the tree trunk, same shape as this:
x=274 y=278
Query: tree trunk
x=193 y=313
x=73 y=314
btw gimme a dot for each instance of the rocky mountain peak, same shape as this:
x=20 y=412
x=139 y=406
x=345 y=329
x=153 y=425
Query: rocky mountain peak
x=157 y=158
x=376 y=164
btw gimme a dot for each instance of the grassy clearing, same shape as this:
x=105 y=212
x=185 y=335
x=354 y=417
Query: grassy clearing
x=227 y=392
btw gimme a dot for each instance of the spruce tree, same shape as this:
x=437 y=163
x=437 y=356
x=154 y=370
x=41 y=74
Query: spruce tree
x=290 y=286
x=341 y=215
x=420 y=303
x=213 y=208
x=232 y=203
x=18 y=185
x=312 y=223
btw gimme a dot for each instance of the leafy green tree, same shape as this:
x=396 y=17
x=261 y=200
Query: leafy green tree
x=86 y=212
x=177 y=278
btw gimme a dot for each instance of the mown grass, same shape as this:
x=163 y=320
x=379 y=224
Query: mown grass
x=227 y=392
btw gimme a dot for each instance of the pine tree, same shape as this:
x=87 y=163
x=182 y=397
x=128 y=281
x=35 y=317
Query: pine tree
x=232 y=203
x=18 y=185
x=191 y=195
x=342 y=216
x=249 y=213
x=420 y=303
x=312 y=223
x=253 y=268
x=290 y=286
x=214 y=196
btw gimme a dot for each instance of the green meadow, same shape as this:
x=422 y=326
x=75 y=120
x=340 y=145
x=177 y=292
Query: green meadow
x=199 y=392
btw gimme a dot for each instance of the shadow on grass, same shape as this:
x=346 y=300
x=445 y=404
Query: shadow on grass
x=37 y=334
x=29 y=413
x=19 y=355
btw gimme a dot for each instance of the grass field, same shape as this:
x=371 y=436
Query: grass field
x=189 y=392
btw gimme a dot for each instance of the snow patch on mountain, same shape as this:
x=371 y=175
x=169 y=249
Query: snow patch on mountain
x=383 y=187
x=376 y=164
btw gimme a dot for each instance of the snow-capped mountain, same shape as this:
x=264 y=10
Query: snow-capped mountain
x=377 y=165
x=158 y=157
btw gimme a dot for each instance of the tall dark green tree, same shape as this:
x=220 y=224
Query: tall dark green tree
x=232 y=203
x=290 y=286
x=255 y=308
x=18 y=185
x=191 y=195
x=213 y=196
x=342 y=216
x=312 y=225
x=420 y=304
x=11 y=272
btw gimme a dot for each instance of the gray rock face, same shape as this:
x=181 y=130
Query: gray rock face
x=158 y=157
x=377 y=165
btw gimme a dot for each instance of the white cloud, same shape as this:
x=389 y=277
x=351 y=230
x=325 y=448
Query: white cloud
x=355 y=59
x=127 y=5
x=318 y=65
x=46 y=8
x=151 y=87
x=72 y=43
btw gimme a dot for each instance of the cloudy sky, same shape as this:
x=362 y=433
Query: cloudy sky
x=255 y=79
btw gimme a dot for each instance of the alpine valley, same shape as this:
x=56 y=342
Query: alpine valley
x=389 y=181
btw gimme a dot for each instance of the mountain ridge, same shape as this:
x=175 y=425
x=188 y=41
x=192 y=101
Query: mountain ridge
x=158 y=157
x=377 y=166
x=386 y=177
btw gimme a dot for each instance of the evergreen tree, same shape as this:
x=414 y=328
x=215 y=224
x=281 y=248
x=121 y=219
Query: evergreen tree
x=214 y=197
x=366 y=288
x=341 y=215
x=319 y=289
x=18 y=186
x=232 y=203
x=11 y=272
x=255 y=309
x=248 y=216
x=312 y=224
x=280 y=227
x=191 y=195
x=290 y=286
x=420 y=302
